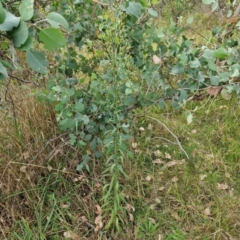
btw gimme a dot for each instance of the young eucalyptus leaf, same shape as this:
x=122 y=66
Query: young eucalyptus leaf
x=134 y=9
x=152 y=12
x=6 y=64
x=55 y=19
x=19 y=35
x=220 y=53
x=10 y=22
x=3 y=72
x=27 y=45
x=208 y=2
x=52 y=38
x=2 y=14
x=37 y=61
x=26 y=9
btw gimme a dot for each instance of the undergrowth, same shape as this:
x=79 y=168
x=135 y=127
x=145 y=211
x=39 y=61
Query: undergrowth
x=168 y=196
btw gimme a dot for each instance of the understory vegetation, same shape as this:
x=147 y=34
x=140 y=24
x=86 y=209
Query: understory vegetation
x=120 y=120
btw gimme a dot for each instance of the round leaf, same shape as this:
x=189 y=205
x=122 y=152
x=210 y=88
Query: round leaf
x=27 y=45
x=134 y=9
x=220 y=53
x=37 y=61
x=19 y=35
x=52 y=38
x=10 y=22
x=55 y=19
x=225 y=94
x=152 y=12
x=26 y=9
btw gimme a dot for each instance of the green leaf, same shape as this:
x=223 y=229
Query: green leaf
x=220 y=53
x=152 y=12
x=2 y=14
x=215 y=6
x=55 y=19
x=85 y=119
x=37 y=61
x=189 y=20
x=214 y=80
x=79 y=106
x=52 y=38
x=27 y=45
x=195 y=63
x=129 y=100
x=3 y=72
x=6 y=64
x=200 y=77
x=26 y=9
x=211 y=64
x=177 y=69
x=160 y=32
x=154 y=2
x=208 y=2
x=189 y=116
x=183 y=95
x=134 y=9
x=235 y=73
x=10 y=22
x=19 y=35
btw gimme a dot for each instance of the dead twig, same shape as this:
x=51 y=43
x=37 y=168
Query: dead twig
x=177 y=140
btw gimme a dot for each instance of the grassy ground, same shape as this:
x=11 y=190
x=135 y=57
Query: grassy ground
x=168 y=196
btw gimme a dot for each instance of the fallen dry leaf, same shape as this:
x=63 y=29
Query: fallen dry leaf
x=156 y=59
x=23 y=169
x=171 y=163
x=168 y=156
x=49 y=168
x=207 y=211
x=152 y=220
x=176 y=216
x=26 y=155
x=148 y=178
x=150 y=126
x=194 y=131
x=99 y=210
x=157 y=153
x=131 y=217
x=64 y=205
x=161 y=188
x=213 y=91
x=98 y=222
x=174 y=179
x=223 y=186
x=157 y=200
x=83 y=219
x=134 y=145
x=71 y=235
x=129 y=207
x=78 y=179
x=202 y=176
x=157 y=161
x=227 y=175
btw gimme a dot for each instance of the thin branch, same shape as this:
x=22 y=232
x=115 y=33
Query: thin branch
x=43 y=167
x=21 y=80
x=177 y=140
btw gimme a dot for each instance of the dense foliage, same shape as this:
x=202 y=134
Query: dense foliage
x=110 y=59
